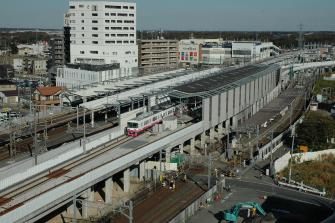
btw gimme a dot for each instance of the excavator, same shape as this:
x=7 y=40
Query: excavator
x=254 y=207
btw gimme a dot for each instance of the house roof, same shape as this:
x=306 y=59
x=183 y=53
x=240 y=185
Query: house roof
x=48 y=91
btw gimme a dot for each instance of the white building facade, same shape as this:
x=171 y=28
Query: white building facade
x=80 y=76
x=103 y=32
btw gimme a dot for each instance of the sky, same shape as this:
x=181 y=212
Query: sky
x=202 y=15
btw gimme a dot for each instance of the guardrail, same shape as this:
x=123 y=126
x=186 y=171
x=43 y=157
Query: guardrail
x=302 y=187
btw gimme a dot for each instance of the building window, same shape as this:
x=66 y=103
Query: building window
x=106 y=14
x=82 y=14
x=82 y=28
x=131 y=15
x=109 y=42
x=122 y=14
x=112 y=7
x=94 y=52
x=107 y=35
x=94 y=21
x=125 y=28
x=95 y=35
x=72 y=7
x=119 y=21
x=128 y=21
x=106 y=28
x=132 y=28
x=125 y=7
x=119 y=42
x=82 y=52
x=113 y=14
x=94 y=28
x=83 y=42
x=107 y=21
x=132 y=42
x=125 y=42
x=95 y=42
x=94 y=14
x=82 y=21
x=83 y=35
x=112 y=21
x=132 y=35
x=131 y=7
x=122 y=35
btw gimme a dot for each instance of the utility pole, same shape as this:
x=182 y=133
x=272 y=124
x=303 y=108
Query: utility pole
x=271 y=154
x=291 y=152
x=209 y=171
x=84 y=143
x=35 y=137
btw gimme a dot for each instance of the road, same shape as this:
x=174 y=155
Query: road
x=251 y=188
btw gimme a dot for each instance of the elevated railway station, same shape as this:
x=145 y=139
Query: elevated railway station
x=213 y=102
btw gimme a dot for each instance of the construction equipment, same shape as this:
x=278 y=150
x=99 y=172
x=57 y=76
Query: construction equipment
x=252 y=206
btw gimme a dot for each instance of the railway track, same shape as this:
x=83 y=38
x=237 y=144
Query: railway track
x=57 y=172
x=55 y=138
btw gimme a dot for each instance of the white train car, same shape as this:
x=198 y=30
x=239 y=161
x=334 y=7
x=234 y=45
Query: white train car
x=147 y=120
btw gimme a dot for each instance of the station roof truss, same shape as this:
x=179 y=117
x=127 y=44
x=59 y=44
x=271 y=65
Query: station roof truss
x=221 y=81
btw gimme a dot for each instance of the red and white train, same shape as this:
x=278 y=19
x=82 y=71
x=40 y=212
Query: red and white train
x=148 y=120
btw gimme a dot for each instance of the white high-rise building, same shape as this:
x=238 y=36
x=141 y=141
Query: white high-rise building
x=103 y=32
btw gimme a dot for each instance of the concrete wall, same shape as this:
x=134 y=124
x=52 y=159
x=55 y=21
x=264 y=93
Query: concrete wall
x=281 y=163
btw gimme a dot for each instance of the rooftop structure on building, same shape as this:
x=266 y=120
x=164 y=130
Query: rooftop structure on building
x=103 y=32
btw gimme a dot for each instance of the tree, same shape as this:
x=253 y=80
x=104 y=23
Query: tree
x=316 y=131
x=13 y=48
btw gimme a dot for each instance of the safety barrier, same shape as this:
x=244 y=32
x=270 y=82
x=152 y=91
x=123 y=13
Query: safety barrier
x=70 y=151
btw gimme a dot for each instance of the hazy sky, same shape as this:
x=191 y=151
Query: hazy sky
x=223 y=15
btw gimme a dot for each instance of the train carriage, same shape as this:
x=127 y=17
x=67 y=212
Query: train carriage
x=147 y=120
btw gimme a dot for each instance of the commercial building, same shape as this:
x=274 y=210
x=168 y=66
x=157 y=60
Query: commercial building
x=158 y=54
x=195 y=52
x=103 y=32
x=76 y=76
x=217 y=53
x=253 y=51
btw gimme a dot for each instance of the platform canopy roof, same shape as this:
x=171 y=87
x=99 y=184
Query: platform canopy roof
x=221 y=81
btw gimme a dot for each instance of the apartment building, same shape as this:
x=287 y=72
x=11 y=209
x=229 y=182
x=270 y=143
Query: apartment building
x=103 y=32
x=57 y=50
x=158 y=54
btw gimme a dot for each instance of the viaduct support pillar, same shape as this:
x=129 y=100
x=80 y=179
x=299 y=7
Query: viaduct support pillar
x=192 y=146
x=89 y=195
x=109 y=190
x=168 y=155
x=92 y=119
x=142 y=170
x=220 y=130
x=212 y=134
x=106 y=117
x=126 y=180
x=203 y=140
x=181 y=148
